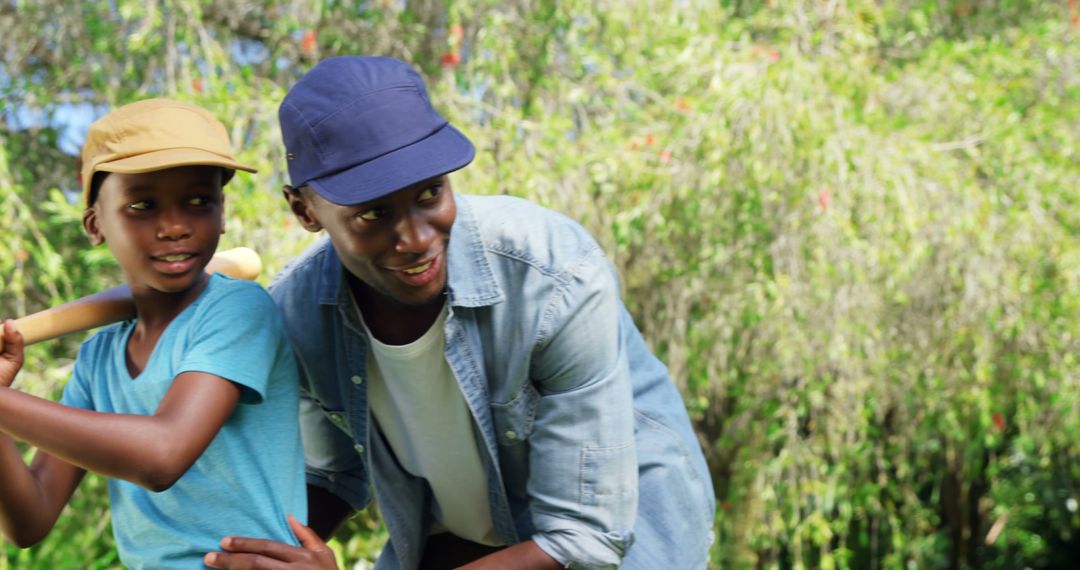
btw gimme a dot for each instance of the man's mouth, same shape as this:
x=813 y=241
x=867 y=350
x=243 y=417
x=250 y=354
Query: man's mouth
x=422 y=274
x=418 y=269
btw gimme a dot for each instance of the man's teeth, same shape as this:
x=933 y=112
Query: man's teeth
x=177 y=257
x=417 y=269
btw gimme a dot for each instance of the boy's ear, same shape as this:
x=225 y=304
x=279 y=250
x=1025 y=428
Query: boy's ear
x=90 y=224
x=223 y=213
x=301 y=207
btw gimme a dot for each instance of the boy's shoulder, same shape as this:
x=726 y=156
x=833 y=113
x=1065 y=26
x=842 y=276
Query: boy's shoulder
x=228 y=297
x=105 y=336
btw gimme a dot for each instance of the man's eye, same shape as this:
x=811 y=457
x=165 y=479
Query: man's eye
x=372 y=214
x=430 y=193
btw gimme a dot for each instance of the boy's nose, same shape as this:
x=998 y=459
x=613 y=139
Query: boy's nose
x=173 y=226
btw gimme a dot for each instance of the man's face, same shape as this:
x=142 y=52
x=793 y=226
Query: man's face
x=163 y=226
x=395 y=245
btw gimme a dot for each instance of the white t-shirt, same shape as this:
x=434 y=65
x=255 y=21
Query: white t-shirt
x=419 y=407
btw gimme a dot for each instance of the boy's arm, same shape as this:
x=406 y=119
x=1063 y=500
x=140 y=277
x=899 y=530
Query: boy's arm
x=30 y=498
x=150 y=451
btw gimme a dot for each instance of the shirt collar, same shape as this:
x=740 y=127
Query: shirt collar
x=472 y=282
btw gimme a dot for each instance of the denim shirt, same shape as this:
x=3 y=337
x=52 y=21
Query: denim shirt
x=553 y=370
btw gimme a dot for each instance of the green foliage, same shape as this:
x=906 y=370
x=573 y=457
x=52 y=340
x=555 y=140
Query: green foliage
x=849 y=228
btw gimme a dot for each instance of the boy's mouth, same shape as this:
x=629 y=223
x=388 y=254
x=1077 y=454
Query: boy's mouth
x=174 y=257
x=174 y=263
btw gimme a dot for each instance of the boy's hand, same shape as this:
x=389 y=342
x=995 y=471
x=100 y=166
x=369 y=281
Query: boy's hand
x=11 y=357
x=244 y=553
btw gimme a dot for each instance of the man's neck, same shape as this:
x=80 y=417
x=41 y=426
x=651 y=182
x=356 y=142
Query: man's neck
x=389 y=321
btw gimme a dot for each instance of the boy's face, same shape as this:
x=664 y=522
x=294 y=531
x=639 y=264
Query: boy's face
x=163 y=226
x=396 y=244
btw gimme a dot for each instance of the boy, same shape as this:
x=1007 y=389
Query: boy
x=191 y=408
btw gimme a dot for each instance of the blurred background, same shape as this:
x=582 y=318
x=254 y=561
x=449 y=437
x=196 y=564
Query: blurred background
x=850 y=228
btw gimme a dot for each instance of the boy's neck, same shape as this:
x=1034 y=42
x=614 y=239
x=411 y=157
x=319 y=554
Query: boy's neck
x=156 y=309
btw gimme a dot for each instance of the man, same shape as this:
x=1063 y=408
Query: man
x=467 y=358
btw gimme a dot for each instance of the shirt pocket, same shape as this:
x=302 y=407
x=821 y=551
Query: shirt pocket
x=609 y=481
x=514 y=422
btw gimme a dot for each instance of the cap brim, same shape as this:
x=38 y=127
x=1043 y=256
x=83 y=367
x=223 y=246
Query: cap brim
x=442 y=152
x=170 y=158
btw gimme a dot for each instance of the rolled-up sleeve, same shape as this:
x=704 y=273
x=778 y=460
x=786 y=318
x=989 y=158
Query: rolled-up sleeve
x=583 y=481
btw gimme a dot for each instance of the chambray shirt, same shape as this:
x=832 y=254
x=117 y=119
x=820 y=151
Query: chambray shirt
x=569 y=403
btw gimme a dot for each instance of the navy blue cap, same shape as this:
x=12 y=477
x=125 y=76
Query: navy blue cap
x=359 y=128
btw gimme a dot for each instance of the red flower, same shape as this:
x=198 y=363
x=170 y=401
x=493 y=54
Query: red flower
x=309 y=42
x=999 y=421
x=823 y=199
x=196 y=85
x=665 y=156
x=682 y=105
x=450 y=59
x=649 y=140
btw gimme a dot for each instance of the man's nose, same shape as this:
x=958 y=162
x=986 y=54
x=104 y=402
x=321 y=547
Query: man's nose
x=414 y=233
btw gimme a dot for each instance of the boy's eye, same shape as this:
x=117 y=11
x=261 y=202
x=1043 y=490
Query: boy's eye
x=199 y=201
x=141 y=205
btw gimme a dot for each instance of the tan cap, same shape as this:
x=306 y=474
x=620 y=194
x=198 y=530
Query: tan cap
x=155 y=134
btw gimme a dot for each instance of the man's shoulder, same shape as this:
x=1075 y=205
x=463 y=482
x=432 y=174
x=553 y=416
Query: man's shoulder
x=509 y=211
x=302 y=273
x=519 y=229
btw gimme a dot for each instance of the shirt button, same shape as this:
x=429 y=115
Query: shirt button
x=336 y=418
x=357 y=380
x=511 y=434
x=359 y=448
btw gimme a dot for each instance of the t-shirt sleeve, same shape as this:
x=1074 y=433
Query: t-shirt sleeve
x=77 y=392
x=239 y=337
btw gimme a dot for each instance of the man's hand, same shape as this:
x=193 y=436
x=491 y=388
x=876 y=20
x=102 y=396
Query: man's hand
x=254 y=553
x=11 y=358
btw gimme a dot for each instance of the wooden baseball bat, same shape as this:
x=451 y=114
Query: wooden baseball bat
x=116 y=304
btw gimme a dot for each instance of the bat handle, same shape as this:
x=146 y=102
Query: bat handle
x=116 y=304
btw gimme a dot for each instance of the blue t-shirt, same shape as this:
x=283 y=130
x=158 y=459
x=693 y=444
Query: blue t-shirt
x=251 y=476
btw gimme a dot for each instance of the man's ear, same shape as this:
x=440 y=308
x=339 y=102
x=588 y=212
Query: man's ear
x=90 y=224
x=301 y=207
